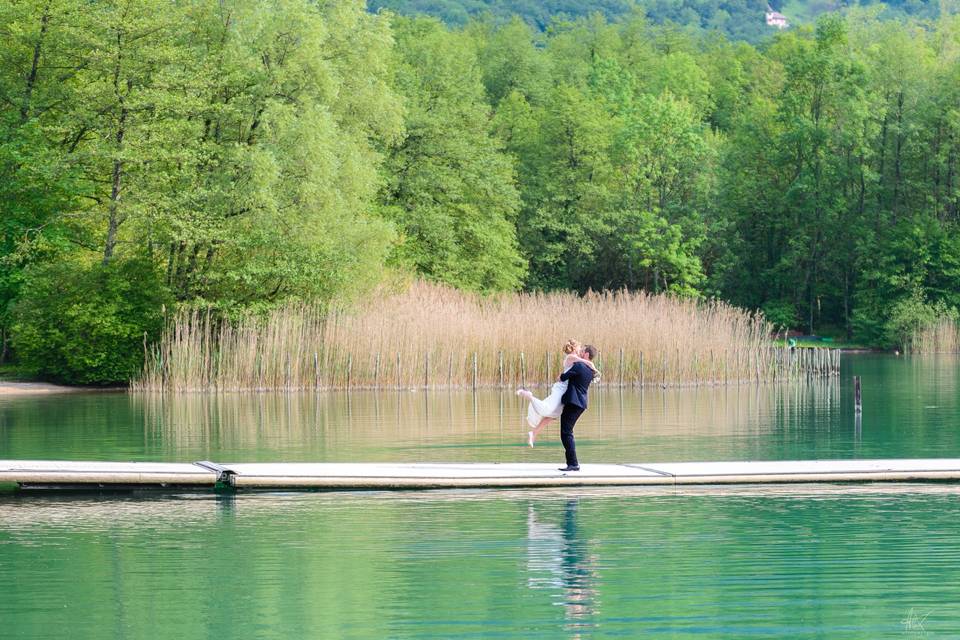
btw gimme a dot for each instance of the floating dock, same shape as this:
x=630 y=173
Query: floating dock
x=56 y=474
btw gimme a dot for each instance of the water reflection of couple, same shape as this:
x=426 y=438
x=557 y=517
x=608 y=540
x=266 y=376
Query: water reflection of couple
x=559 y=560
x=567 y=399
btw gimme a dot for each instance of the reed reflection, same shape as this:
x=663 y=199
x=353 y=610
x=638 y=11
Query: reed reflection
x=560 y=561
x=624 y=425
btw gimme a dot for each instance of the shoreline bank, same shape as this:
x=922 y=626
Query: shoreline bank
x=12 y=388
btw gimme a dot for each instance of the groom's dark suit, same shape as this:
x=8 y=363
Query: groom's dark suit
x=578 y=379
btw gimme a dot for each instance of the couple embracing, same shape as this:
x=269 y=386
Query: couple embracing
x=567 y=399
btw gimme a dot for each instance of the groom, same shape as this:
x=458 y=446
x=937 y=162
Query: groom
x=578 y=378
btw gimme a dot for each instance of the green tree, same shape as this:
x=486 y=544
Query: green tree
x=794 y=166
x=271 y=197
x=662 y=159
x=236 y=144
x=564 y=182
x=450 y=189
x=510 y=60
x=38 y=180
x=88 y=323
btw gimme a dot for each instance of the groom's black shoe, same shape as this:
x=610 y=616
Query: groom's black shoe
x=569 y=468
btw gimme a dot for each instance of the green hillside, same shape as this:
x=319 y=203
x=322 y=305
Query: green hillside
x=738 y=19
x=807 y=10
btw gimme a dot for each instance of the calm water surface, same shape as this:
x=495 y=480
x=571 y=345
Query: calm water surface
x=847 y=561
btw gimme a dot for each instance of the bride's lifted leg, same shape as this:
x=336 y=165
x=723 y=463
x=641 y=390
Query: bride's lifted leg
x=523 y=393
x=532 y=435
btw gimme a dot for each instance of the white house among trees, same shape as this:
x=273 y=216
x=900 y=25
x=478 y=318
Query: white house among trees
x=776 y=19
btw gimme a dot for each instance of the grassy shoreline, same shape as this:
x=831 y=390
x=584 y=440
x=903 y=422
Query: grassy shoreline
x=848 y=347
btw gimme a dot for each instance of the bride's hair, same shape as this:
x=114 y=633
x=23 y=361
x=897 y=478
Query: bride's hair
x=572 y=346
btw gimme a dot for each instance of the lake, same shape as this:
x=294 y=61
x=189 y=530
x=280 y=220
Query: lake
x=840 y=561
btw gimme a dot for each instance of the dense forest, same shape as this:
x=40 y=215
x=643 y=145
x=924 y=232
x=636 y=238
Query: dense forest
x=736 y=19
x=239 y=154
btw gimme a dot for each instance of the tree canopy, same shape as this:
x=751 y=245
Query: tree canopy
x=239 y=154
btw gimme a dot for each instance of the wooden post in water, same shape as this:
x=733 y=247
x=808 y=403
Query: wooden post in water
x=398 y=371
x=474 y=370
x=523 y=372
x=316 y=370
x=641 y=369
x=376 y=371
x=426 y=370
x=857 y=400
x=349 y=369
x=450 y=371
x=501 y=369
x=546 y=358
x=663 y=369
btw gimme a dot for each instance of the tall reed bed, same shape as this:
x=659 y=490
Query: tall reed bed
x=433 y=336
x=942 y=336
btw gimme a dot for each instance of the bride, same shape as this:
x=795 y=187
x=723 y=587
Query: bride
x=540 y=413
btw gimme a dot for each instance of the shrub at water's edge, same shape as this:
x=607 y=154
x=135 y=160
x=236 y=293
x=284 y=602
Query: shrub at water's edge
x=431 y=335
x=86 y=324
x=918 y=326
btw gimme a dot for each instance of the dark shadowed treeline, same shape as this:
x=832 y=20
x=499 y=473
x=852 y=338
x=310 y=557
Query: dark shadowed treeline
x=242 y=154
x=736 y=19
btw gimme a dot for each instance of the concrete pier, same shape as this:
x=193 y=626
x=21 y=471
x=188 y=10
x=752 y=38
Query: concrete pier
x=39 y=474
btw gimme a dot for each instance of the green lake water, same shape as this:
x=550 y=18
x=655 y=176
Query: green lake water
x=839 y=561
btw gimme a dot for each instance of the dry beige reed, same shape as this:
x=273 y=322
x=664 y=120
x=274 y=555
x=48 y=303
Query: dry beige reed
x=942 y=336
x=434 y=336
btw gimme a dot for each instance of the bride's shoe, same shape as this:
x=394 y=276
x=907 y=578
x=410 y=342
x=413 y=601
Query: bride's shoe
x=530 y=438
x=523 y=393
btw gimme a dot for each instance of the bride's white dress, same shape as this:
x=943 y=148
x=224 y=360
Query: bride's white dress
x=549 y=407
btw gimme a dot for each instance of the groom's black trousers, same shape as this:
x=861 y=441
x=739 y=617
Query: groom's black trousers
x=568 y=419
